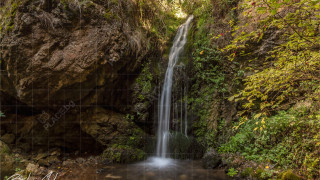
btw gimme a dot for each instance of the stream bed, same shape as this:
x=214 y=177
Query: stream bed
x=151 y=169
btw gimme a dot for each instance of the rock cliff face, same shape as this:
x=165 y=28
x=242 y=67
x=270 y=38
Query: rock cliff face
x=58 y=52
x=67 y=68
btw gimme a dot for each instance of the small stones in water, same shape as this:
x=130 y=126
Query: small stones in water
x=68 y=162
x=183 y=177
x=102 y=170
x=93 y=159
x=110 y=176
x=106 y=162
x=80 y=160
x=150 y=175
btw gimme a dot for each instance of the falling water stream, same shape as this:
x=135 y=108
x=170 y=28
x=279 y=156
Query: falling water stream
x=165 y=101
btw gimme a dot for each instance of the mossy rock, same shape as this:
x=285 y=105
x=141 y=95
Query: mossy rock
x=258 y=172
x=179 y=145
x=8 y=138
x=247 y=172
x=123 y=154
x=4 y=148
x=7 y=162
x=211 y=159
x=289 y=175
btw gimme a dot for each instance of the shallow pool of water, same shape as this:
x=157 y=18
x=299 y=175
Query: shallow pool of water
x=151 y=169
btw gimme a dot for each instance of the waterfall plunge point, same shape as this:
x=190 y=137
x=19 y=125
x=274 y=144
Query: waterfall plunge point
x=163 y=133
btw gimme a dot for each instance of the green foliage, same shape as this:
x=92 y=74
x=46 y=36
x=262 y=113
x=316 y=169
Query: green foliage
x=247 y=172
x=108 y=14
x=136 y=138
x=207 y=64
x=258 y=173
x=202 y=8
x=145 y=81
x=123 y=154
x=143 y=91
x=179 y=144
x=17 y=169
x=17 y=160
x=2 y=114
x=232 y=172
x=7 y=14
x=240 y=140
x=129 y=117
x=289 y=175
x=291 y=68
x=212 y=77
x=288 y=75
x=208 y=76
x=5 y=150
x=160 y=18
x=266 y=174
x=128 y=148
x=289 y=140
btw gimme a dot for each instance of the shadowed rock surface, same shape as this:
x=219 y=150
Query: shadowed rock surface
x=69 y=53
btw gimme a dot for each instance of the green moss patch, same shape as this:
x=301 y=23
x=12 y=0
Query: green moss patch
x=123 y=154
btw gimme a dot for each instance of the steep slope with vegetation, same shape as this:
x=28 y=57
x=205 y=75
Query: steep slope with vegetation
x=264 y=58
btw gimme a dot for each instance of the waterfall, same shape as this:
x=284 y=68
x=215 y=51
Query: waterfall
x=165 y=101
x=181 y=112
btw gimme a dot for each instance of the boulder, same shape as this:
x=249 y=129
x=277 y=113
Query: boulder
x=60 y=134
x=80 y=160
x=7 y=162
x=211 y=159
x=36 y=170
x=4 y=148
x=109 y=127
x=8 y=138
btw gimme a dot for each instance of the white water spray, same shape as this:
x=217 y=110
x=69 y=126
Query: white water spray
x=165 y=102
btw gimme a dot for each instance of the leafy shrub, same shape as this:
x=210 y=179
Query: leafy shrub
x=232 y=172
x=288 y=140
x=247 y=172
